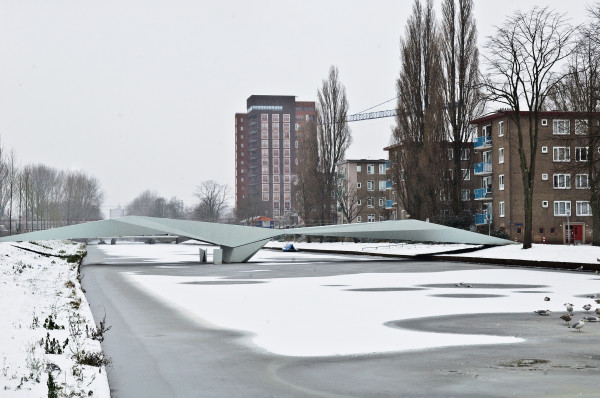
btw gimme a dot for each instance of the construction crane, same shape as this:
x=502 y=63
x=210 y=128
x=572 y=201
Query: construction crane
x=371 y=115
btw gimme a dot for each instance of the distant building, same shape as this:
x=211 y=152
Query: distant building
x=265 y=154
x=561 y=207
x=365 y=191
x=116 y=213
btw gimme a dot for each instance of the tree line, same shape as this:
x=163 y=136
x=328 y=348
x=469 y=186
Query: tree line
x=36 y=196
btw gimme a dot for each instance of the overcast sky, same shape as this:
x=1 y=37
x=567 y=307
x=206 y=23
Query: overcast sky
x=142 y=94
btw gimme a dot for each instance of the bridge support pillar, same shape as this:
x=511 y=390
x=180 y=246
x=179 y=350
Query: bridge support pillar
x=241 y=254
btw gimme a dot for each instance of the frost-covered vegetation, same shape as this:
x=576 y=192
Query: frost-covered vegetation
x=49 y=342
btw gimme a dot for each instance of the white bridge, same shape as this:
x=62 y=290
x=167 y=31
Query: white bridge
x=240 y=243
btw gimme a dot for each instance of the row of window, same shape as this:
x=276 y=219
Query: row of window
x=464 y=154
x=559 y=154
x=371 y=201
x=561 y=208
x=560 y=181
x=559 y=127
x=370 y=218
x=275 y=144
x=371 y=185
x=371 y=168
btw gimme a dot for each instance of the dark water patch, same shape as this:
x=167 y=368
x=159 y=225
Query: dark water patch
x=229 y=282
x=529 y=291
x=385 y=289
x=466 y=295
x=463 y=285
x=590 y=296
x=334 y=285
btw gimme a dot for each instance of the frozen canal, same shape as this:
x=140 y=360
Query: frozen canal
x=298 y=324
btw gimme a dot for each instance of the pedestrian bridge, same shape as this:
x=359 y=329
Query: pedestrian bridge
x=240 y=243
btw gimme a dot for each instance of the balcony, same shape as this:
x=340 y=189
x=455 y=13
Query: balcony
x=389 y=204
x=483 y=142
x=483 y=168
x=481 y=219
x=483 y=193
x=388 y=184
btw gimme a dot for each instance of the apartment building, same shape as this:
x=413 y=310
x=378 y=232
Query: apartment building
x=364 y=191
x=266 y=143
x=561 y=207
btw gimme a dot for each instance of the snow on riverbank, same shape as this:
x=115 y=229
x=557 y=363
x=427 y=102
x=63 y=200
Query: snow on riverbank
x=584 y=254
x=46 y=323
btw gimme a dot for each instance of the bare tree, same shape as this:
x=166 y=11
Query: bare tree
x=460 y=58
x=420 y=125
x=212 y=201
x=351 y=201
x=522 y=60
x=148 y=204
x=308 y=177
x=334 y=137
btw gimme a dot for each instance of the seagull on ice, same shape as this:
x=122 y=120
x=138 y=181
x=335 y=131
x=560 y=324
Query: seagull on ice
x=579 y=325
x=567 y=318
x=592 y=319
x=543 y=312
x=587 y=307
x=597 y=301
x=598 y=311
x=569 y=307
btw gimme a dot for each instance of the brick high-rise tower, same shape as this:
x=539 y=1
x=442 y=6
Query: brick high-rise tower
x=265 y=152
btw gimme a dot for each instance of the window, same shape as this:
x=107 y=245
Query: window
x=562 y=207
x=465 y=194
x=265 y=196
x=541 y=230
x=275 y=117
x=581 y=154
x=370 y=186
x=561 y=154
x=544 y=177
x=544 y=122
x=582 y=181
x=370 y=217
x=544 y=149
x=358 y=219
x=369 y=202
x=501 y=182
x=500 y=155
x=466 y=174
x=560 y=126
x=359 y=202
x=382 y=185
x=370 y=169
x=381 y=202
x=562 y=181
x=265 y=179
x=297 y=126
x=581 y=126
x=286 y=117
x=486 y=130
x=450 y=154
x=276 y=179
x=464 y=154
x=358 y=185
x=501 y=209
x=583 y=208
x=358 y=168
x=382 y=168
x=544 y=203
x=500 y=129
x=295 y=144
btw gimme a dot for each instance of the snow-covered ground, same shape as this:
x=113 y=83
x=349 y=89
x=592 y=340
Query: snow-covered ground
x=347 y=314
x=46 y=324
x=585 y=254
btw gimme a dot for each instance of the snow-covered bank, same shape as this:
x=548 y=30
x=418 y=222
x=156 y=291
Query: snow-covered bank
x=584 y=254
x=46 y=325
